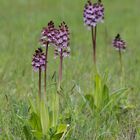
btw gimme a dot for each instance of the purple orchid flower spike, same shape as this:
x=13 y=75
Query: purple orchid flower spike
x=62 y=41
x=38 y=60
x=48 y=36
x=59 y=38
x=118 y=43
x=93 y=14
x=38 y=63
x=62 y=48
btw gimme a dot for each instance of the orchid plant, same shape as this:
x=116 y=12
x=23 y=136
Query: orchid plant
x=120 y=46
x=44 y=122
x=93 y=14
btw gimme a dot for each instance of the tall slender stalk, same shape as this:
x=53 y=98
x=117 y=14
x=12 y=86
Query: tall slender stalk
x=39 y=84
x=45 y=74
x=60 y=69
x=94 y=33
x=120 y=58
x=121 y=67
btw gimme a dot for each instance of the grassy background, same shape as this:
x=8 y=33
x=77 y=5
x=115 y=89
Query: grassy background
x=20 y=24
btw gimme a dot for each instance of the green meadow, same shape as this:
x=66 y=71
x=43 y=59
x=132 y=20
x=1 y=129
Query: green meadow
x=21 y=22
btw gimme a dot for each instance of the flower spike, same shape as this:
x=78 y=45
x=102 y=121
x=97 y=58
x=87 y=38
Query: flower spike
x=48 y=34
x=38 y=60
x=93 y=13
x=62 y=41
x=118 y=43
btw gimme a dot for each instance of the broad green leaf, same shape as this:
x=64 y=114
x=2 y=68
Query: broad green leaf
x=44 y=115
x=34 y=121
x=37 y=134
x=27 y=132
x=61 y=128
x=97 y=91
x=33 y=107
x=55 y=109
x=105 y=95
x=101 y=91
x=90 y=101
x=57 y=136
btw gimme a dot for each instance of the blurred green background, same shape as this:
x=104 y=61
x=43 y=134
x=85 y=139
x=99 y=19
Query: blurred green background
x=21 y=22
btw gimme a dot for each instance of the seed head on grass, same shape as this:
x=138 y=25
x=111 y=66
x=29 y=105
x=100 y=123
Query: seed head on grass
x=93 y=13
x=38 y=60
x=118 y=43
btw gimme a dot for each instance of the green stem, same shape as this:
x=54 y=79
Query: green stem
x=39 y=84
x=60 y=69
x=45 y=74
x=94 y=34
x=121 y=67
